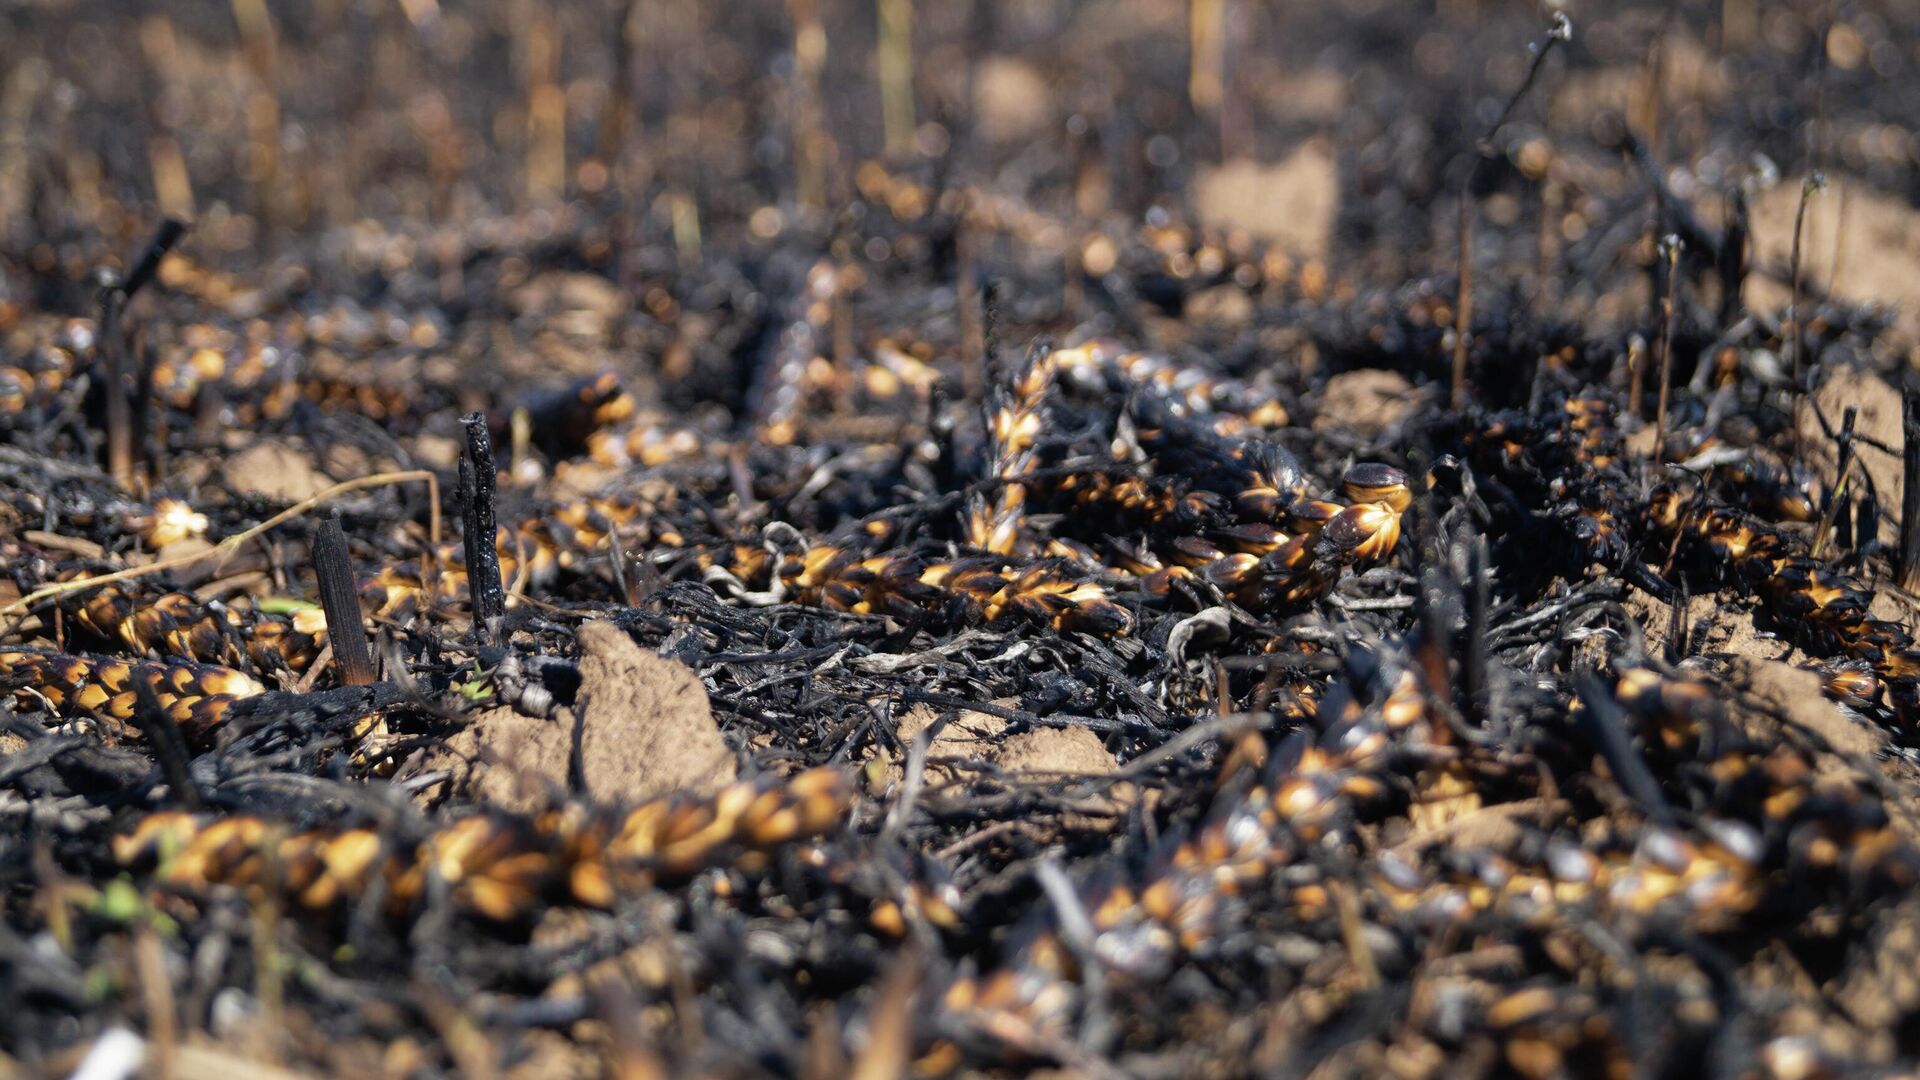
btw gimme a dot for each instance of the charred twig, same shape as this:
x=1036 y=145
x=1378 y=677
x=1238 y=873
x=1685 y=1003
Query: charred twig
x=164 y=239
x=333 y=572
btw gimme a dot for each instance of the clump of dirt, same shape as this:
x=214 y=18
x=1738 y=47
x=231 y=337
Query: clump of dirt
x=1292 y=203
x=1367 y=401
x=275 y=469
x=1794 y=696
x=976 y=735
x=1713 y=629
x=641 y=726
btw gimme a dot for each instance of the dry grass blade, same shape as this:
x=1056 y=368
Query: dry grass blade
x=231 y=544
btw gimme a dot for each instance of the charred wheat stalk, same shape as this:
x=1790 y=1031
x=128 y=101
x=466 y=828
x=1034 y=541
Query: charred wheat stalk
x=1733 y=258
x=1792 y=331
x=333 y=573
x=1670 y=248
x=1910 y=488
x=477 y=479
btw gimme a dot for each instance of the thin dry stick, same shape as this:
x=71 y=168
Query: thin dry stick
x=1463 y=300
x=1841 y=491
x=226 y=548
x=1791 y=332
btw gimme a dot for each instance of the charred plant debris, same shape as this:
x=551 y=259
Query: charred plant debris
x=1080 y=619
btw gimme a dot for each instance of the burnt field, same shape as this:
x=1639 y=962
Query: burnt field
x=1133 y=539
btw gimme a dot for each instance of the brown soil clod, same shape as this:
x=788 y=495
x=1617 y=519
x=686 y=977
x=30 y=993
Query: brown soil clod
x=642 y=722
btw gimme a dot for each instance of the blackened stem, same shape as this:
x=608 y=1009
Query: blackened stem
x=169 y=234
x=168 y=744
x=333 y=570
x=1733 y=259
x=113 y=351
x=477 y=476
x=1910 y=493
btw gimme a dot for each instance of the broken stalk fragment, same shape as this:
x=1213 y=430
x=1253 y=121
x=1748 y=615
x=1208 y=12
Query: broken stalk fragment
x=477 y=478
x=333 y=572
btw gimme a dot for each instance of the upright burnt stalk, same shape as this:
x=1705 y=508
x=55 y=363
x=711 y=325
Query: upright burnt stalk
x=1733 y=258
x=333 y=572
x=1910 y=495
x=477 y=476
x=113 y=355
x=1670 y=255
x=1813 y=186
x=115 y=293
x=1561 y=30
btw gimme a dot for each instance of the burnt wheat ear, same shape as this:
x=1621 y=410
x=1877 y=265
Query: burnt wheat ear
x=498 y=867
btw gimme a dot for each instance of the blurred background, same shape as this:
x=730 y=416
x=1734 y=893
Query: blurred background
x=1337 y=131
